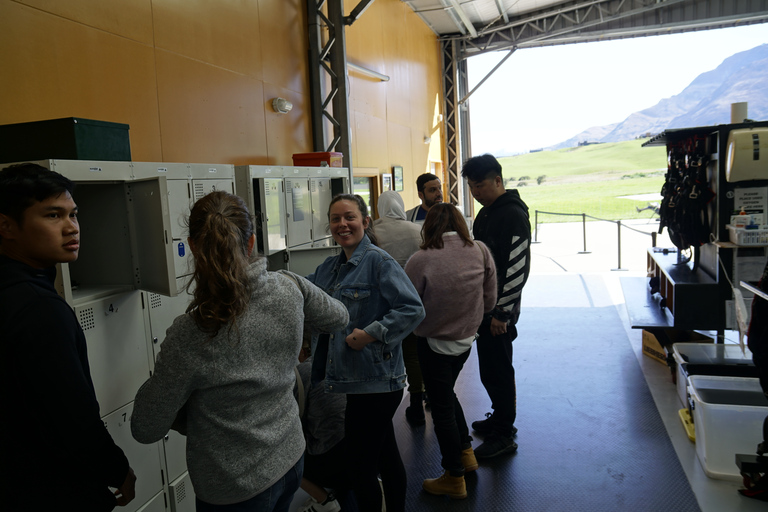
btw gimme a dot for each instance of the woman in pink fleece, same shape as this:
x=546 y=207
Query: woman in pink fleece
x=456 y=280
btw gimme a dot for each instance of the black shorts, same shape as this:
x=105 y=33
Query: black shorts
x=328 y=469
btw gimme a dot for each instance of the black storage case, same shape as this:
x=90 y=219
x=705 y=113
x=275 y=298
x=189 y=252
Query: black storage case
x=70 y=138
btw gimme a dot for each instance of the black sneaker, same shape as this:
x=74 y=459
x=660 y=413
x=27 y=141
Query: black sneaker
x=486 y=426
x=494 y=446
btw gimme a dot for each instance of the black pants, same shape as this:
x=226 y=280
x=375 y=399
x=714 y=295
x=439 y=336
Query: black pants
x=494 y=355
x=373 y=451
x=440 y=372
x=412 y=366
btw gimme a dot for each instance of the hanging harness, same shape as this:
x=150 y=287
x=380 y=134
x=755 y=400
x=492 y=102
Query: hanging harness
x=685 y=194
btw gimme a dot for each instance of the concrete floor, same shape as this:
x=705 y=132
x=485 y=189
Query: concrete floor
x=564 y=275
x=558 y=252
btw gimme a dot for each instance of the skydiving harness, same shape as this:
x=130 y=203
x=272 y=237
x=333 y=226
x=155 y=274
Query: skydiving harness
x=686 y=193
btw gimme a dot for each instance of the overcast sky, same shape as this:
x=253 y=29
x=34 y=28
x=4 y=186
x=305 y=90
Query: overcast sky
x=542 y=96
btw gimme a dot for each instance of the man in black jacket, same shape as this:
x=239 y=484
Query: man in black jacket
x=503 y=225
x=56 y=452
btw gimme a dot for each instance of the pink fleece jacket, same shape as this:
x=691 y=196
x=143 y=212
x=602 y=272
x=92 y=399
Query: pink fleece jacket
x=457 y=285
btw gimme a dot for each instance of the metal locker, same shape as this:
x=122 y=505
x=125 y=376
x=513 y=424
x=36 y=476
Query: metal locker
x=151 y=235
x=162 y=312
x=298 y=211
x=321 y=193
x=143 y=458
x=117 y=347
x=209 y=177
x=156 y=504
x=87 y=170
x=263 y=190
x=182 y=494
x=175 y=448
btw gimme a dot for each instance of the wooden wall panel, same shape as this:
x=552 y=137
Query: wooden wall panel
x=209 y=114
x=283 y=31
x=365 y=47
x=55 y=68
x=426 y=104
x=400 y=153
x=286 y=133
x=371 y=141
x=391 y=33
x=194 y=78
x=403 y=86
x=223 y=33
x=127 y=18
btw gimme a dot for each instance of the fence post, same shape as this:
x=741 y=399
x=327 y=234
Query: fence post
x=536 y=227
x=584 y=232
x=618 y=223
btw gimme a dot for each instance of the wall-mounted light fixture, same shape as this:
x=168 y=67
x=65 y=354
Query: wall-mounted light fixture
x=281 y=105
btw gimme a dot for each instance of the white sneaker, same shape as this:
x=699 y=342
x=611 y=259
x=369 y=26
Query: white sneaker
x=312 y=505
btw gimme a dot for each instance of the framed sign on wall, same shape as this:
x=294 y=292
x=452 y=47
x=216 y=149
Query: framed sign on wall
x=397 y=177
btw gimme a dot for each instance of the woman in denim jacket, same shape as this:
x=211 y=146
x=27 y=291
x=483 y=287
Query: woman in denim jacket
x=365 y=359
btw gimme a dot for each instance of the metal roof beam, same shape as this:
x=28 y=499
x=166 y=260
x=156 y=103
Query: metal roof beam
x=592 y=20
x=502 y=12
x=463 y=16
x=357 y=11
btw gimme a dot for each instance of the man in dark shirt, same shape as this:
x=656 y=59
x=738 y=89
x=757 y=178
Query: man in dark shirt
x=430 y=192
x=56 y=452
x=503 y=225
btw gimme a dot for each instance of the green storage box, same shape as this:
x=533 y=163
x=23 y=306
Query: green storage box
x=70 y=138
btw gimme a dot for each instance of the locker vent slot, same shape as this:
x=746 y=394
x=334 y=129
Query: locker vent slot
x=85 y=316
x=199 y=191
x=155 y=300
x=181 y=492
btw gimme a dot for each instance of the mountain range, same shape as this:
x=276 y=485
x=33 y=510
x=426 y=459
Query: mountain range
x=706 y=101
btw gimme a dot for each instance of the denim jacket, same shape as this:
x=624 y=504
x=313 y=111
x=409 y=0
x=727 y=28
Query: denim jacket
x=381 y=301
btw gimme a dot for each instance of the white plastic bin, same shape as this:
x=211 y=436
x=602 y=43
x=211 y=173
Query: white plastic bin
x=728 y=415
x=709 y=359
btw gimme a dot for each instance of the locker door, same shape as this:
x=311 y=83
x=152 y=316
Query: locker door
x=298 y=211
x=179 y=204
x=143 y=458
x=204 y=187
x=270 y=212
x=162 y=312
x=151 y=235
x=117 y=347
x=320 y=189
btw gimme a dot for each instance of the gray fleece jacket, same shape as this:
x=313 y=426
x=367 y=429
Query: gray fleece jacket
x=235 y=395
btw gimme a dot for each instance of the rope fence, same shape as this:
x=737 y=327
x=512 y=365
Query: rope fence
x=584 y=216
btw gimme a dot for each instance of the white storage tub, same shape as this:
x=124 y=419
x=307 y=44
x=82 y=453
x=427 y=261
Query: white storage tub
x=709 y=359
x=728 y=415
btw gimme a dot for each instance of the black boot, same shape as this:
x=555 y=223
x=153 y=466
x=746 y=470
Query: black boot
x=414 y=413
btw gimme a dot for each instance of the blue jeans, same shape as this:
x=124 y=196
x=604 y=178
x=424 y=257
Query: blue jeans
x=275 y=499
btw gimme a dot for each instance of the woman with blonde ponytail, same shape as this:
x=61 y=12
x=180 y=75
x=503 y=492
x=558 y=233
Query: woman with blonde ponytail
x=225 y=377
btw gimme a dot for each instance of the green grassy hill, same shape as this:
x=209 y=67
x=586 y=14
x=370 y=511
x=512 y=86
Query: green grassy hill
x=587 y=179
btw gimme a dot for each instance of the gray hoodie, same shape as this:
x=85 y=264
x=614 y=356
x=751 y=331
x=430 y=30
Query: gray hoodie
x=394 y=233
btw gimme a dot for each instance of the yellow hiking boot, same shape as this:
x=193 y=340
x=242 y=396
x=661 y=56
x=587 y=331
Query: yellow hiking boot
x=451 y=486
x=468 y=460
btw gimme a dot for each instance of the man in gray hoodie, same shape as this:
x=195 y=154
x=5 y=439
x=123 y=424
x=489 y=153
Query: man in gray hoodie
x=401 y=239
